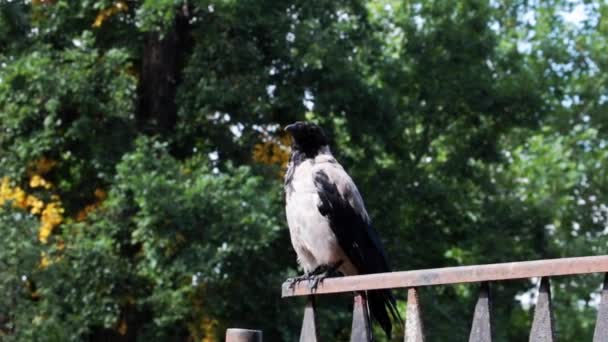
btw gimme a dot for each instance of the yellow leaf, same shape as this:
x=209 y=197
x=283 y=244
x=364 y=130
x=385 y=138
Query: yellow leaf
x=51 y=217
x=34 y=204
x=100 y=194
x=122 y=327
x=117 y=7
x=37 y=181
x=44 y=261
x=273 y=150
x=51 y=214
x=42 y=166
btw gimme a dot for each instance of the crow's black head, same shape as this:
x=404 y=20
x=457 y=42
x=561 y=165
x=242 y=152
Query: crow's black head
x=307 y=137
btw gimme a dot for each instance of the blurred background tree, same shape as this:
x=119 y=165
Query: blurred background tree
x=141 y=156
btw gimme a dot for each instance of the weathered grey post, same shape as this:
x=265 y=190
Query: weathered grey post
x=243 y=335
x=361 y=330
x=601 y=326
x=309 y=324
x=414 y=331
x=481 y=328
x=543 y=329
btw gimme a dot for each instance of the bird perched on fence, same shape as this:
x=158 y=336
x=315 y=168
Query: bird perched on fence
x=330 y=228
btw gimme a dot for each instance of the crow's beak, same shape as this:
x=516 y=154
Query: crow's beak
x=290 y=128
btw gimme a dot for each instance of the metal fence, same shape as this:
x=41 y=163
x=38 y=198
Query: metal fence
x=481 y=327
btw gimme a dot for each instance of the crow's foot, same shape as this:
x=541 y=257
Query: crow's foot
x=322 y=272
x=296 y=280
x=316 y=276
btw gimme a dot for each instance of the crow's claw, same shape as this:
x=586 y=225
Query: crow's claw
x=296 y=280
x=314 y=282
x=322 y=272
x=316 y=276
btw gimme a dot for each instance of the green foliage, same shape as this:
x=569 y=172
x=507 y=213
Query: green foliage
x=168 y=232
x=476 y=129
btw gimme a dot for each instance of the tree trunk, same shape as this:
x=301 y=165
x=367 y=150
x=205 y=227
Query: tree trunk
x=160 y=75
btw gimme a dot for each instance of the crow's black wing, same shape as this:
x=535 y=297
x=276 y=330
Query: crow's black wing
x=351 y=225
x=341 y=203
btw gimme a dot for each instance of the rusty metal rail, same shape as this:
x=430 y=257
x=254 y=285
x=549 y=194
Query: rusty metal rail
x=481 y=327
x=455 y=275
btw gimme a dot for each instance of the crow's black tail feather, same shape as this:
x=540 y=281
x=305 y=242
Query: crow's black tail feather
x=381 y=302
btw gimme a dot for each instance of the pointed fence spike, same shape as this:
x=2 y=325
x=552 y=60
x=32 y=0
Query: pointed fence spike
x=481 y=328
x=361 y=329
x=413 y=319
x=309 y=325
x=543 y=325
x=601 y=326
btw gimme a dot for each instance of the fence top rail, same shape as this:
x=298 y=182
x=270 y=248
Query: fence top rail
x=454 y=275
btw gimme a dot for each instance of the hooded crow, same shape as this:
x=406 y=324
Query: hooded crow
x=330 y=229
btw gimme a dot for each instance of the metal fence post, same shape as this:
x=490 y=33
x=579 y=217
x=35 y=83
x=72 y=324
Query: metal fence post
x=414 y=331
x=243 y=335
